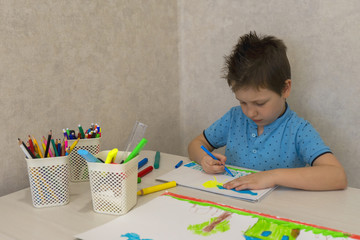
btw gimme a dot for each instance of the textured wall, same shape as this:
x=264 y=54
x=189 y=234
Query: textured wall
x=68 y=62
x=323 y=48
x=115 y=62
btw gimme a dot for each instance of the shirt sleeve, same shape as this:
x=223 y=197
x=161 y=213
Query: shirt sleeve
x=217 y=133
x=309 y=144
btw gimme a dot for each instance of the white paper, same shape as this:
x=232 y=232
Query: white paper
x=191 y=175
x=168 y=217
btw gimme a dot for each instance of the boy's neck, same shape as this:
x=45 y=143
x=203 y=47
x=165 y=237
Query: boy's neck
x=285 y=107
x=260 y=129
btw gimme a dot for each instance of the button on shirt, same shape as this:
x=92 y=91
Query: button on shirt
x=288 y=142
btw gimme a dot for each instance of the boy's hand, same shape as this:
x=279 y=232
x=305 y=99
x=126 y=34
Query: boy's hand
x=259 y=180
x=213 y=166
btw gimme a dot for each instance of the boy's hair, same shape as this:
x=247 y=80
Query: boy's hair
x=258 y=62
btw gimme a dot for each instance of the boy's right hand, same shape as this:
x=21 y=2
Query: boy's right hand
x=211 y=165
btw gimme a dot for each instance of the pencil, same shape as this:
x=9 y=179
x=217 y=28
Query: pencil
x=54 y=147
x=27 y=146
x=43 y=145
x=48 y=143
x=22 y=146
x=32 y=149
x=67 y=151
x=37 y=148
x=74 y=144
x=63 y=148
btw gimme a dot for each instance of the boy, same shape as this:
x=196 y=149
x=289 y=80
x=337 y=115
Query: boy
x=263 y=133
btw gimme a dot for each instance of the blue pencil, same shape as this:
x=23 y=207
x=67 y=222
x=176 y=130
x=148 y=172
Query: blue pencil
x=211 y=155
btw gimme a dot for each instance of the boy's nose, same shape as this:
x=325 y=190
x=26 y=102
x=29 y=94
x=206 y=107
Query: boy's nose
x=252 y=113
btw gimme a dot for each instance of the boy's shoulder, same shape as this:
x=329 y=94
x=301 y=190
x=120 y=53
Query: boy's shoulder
x=294 y=121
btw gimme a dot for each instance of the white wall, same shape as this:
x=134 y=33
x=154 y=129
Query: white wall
x=323 y=48
x=160 y=62
x=68 y=62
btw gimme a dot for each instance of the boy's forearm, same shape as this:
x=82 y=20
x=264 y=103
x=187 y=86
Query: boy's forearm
x=195 y=152
x=325 y=177
x=194 y=149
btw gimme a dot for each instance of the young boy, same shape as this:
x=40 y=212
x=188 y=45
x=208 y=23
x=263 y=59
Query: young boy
x=263 y=133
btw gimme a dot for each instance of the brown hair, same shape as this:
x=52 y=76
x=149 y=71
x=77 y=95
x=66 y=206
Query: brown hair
x=258 y=62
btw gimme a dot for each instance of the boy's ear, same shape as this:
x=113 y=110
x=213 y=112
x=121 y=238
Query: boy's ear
x=287 y=89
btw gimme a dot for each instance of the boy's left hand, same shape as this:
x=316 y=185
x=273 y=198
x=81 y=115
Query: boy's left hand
x=259 y=180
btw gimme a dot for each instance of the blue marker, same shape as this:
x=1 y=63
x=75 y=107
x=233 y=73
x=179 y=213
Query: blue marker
x=179 y=164
x=211 y=155
x=142 y=163
x=87 y=156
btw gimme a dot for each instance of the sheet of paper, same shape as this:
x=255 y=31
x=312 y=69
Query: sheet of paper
x=192 y=175
x=173 y=216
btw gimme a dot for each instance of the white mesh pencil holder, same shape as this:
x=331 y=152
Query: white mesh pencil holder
x=49 y=181
x=113 y=186
x=78 y=167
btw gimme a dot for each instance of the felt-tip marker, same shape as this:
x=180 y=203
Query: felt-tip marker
x=145 y=171
x=142 y=163
x=211 y=155
x=157 y=160
x=156 y=188
x=179 y=164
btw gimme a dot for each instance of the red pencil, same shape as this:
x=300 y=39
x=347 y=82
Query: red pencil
x=32 y=149
x=145 y=171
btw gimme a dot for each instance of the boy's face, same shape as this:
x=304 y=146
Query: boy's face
x=263 y=106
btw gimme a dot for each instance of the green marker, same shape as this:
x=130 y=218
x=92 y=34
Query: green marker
x=81 y=131
x=68 y=133
x=157 y=160
x=136 y=150
x=139 y=180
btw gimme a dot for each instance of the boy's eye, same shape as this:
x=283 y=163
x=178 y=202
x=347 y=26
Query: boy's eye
x=260 y=104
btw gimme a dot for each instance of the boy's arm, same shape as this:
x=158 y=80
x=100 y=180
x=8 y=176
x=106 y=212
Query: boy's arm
x=198 y=155
x=325 y=174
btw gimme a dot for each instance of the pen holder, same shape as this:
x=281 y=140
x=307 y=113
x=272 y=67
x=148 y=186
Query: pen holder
x=113 y=186
x=78 y=167
x=49 y=181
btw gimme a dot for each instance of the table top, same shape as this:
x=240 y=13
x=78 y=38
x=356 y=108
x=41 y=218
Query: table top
x=19 y=219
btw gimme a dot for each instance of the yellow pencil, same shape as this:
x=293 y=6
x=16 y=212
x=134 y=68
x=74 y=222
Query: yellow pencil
x=156 y=188
x=44 y=147
x=37 y=148
x=73 y=145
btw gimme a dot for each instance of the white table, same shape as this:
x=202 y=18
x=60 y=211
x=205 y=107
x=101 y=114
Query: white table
x=20 y=220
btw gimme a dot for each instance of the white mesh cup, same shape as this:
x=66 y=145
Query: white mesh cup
x=78 y=167
x=49 y=181
x=113 y=186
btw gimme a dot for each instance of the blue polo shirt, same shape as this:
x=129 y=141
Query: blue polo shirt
x=288 y=142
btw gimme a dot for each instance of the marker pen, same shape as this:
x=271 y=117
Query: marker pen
x=156 y=188
x=142 y=163
x=145 y=171
x=211 y=155
x=179 y=164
